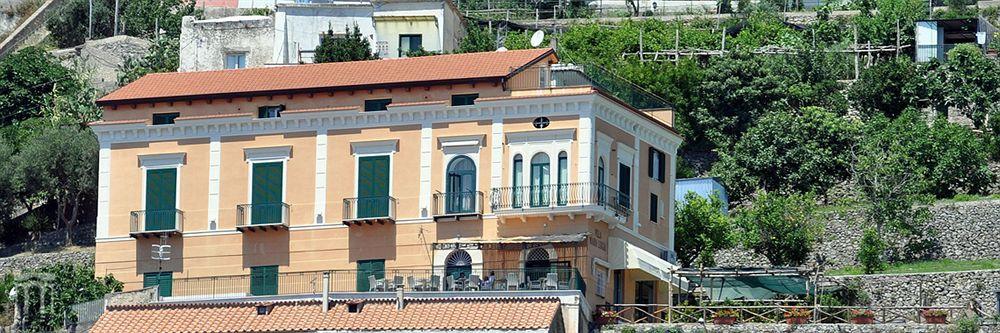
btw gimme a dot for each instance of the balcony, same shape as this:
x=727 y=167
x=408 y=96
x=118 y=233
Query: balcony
x=586 y=198
x=156 y=223
x=354 y=281
x=262 y=217
x=369 y=210
x=457 y=206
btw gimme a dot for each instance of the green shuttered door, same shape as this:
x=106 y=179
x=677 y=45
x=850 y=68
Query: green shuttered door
x=264 y=280
x=368 y=268
x=164 y=279
x=266 y=196
x=161 y=199
x=373 y=186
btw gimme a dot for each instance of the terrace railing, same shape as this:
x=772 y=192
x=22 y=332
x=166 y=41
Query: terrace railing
x=155 y=221
x=266 y=214
x=458 y=203
x=346 y=281
x=771 y=314
x=368 y=209
x=594 y=195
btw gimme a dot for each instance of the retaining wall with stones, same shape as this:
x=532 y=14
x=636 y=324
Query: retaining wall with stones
x=931 y=289
x=964 y=231
x=85 y=256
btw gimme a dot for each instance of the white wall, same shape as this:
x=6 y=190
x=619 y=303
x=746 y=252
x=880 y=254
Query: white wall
x=299 y=26
x=927 y=36
x=204 y=44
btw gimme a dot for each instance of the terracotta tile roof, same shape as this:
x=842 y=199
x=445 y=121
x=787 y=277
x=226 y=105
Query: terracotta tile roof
x=376 y=315
x=324 y=77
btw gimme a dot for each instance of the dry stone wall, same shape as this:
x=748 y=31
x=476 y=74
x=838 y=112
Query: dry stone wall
x=963 y=231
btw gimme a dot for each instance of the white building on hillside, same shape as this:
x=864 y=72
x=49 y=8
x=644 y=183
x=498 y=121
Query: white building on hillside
x=292 y=33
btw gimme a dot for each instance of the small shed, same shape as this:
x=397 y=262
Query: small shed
x=934 y=38
x=704 y=187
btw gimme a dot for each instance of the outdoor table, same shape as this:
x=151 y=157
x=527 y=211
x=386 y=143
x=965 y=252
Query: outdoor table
x=422 y=283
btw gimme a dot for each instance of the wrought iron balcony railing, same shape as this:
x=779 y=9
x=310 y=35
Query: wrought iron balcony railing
x=262 y=216
x=345 y=281
x=590 y=195
x=458 y=204
x=369 y=210
x=151 y=223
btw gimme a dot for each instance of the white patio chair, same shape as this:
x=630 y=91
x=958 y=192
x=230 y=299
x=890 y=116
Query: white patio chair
x=449 y=282
x=474 y=282
x=536 y=284
x=412 y=283
x=397 y=282
x=435 y=283
x=551 y=281
x=372 y=283
x=512 y=281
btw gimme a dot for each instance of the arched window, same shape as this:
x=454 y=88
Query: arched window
x=460 y=186
x=563 y=181
x=458 y=264
x=517 y=181
x=537 y=264
x=540 y=180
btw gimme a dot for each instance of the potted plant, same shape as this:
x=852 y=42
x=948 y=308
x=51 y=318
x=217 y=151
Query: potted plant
x=725 y=317
x=604 y=316
x=935 y=316
x=797 y=316
x=861 y=316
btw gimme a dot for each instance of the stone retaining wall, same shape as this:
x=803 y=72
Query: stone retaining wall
x=965 y=231
x=933 y=289
x=84 y=256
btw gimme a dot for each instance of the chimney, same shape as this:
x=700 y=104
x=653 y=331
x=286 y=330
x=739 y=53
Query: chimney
x=326 y=291
x=399 y=299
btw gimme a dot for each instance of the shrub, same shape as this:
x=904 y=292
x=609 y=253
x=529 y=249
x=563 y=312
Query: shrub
x=701 y=228
x=726 y=313
x=351 y=47
x=781 y=228
x=798 y=313
x=966 y=325
x=861 y=313
x=871 y=252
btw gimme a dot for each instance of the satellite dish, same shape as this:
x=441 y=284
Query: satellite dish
x=537 y=38
x=501 y=49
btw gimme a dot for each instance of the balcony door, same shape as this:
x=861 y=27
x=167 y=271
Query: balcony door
x=461 y=186
x=540 y=180
x=161 y=199
x=624 y=185
x=266 y=197
x=373 y=186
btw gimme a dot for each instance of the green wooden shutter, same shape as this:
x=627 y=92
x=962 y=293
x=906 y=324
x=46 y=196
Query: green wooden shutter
x=266 y=193
x=163 y=279
x=373 y=186
x=264 y=280
x=366 y=268
x=161 y=199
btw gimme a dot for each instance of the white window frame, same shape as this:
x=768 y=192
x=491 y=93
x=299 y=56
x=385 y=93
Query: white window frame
x=157 y=162
x=267 y=155
x=454 y=146
x=374 y=148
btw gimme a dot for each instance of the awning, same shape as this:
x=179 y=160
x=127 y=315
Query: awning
x=749 y=288
x=624 y=255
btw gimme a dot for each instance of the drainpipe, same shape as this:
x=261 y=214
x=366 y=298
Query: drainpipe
x=326 y=291
x=399 y=298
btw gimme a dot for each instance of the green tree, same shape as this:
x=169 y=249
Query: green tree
x=163 y=57
x=148 y=18
x=890 y=180
x=29 y=78
x=701 y=229
x=69 y=284
x=878 y=20
x=973 y=83
x=351 y=47
x=61 y=163
x=888 y=88
x=69 y=26
x=789 y=152
x=783 y=229
x=477 y=39
x=871 y=251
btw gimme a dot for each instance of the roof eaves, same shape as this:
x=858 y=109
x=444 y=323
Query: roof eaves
x=180 y=98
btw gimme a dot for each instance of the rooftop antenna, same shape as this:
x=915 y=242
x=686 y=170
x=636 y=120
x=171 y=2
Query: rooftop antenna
x=537 y=38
